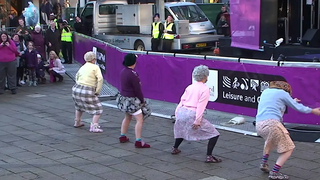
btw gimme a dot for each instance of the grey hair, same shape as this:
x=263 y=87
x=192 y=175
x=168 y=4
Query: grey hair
x=200 y=72
x=89 y=56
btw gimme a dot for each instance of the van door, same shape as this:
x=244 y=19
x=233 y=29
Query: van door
x=87 y=18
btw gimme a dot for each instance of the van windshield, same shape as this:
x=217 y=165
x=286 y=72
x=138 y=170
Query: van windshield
x=191 y=12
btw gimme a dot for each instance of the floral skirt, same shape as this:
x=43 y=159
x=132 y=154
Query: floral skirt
x=85 y=99
x=183 y=126
x=131 y=105
x=275 y=136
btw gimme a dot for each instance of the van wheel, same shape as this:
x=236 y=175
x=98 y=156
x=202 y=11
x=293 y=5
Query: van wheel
x=139 y=46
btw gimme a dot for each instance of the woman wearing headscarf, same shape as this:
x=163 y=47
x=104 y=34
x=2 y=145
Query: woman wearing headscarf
x=131 y=101
x=272 y=105
x=190 y=124
x=85 y=92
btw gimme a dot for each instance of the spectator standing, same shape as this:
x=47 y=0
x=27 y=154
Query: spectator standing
x=52 y=38
x=38 y=39
x=8 y=64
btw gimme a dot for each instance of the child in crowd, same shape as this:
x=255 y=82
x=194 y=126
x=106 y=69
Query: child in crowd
x=31 y=61
x=40 y=70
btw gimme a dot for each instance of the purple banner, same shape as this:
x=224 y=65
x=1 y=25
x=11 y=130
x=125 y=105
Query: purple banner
x=234 y=87
x=245 y=24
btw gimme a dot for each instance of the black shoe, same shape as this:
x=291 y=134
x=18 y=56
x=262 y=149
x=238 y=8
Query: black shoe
x=61 y=79
x=13 y=91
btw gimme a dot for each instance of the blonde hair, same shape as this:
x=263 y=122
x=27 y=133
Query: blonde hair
x=89 y=56
x=54 y=54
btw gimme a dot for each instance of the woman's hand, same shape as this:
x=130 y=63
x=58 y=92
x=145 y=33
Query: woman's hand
x=316 y=111
x=297 y=100
x=195 y=126
x=7 y=44
x=50 y=69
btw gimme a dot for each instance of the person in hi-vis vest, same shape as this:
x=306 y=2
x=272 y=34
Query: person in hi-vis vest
x=168 y=35
x=156 y=32
x=66 y=42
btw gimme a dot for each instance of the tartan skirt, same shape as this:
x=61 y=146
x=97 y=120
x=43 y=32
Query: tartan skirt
x=85 y=99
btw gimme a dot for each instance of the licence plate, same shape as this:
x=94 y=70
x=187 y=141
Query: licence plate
x=201 y=45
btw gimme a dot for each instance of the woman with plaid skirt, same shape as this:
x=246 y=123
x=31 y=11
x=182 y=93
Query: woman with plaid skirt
x=85 y=92
x=272 y=105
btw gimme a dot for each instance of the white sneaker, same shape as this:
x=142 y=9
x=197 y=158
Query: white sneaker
x=22 y=82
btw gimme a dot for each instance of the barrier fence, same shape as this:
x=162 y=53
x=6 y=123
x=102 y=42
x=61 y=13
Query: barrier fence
x=235 y=84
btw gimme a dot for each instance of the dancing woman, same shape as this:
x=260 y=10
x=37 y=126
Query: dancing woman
x=190 y=124
x=272 y=105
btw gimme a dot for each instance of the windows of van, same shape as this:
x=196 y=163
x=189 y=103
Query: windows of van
x=106 y=9
x=192 y=13
x=166 y=13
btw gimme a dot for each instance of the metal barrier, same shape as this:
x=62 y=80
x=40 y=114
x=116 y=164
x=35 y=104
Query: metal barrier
x=250 y=68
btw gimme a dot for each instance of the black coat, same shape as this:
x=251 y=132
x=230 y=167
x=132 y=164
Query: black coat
x=55 y=39
x=79 y=27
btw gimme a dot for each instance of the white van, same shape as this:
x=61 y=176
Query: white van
x=198 y=21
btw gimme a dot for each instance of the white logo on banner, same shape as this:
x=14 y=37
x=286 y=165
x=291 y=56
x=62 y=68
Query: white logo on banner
x=235 y=83
x=264 y=85
x=226 y=81
x=254 y=84
x=244 y=85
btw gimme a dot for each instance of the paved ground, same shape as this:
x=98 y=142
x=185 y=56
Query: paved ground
x=38 y=141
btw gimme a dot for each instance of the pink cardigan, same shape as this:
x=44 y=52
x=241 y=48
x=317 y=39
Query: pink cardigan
x=8 y=54
x=195 y=97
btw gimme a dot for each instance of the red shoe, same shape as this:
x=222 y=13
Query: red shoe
x=141 y=144
x=123 y=139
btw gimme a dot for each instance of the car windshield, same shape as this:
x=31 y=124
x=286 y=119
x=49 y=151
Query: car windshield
x=192 y=13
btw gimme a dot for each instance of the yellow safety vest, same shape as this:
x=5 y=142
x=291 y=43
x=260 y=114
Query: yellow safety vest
x=167 y=35
x=57 y=25
x=155 y=30
x=66 y=36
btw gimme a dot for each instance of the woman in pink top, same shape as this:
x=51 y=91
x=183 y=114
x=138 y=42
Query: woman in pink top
x=190 y=124
x=8 y=63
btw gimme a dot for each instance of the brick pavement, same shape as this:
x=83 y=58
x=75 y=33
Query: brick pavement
x=38 y=141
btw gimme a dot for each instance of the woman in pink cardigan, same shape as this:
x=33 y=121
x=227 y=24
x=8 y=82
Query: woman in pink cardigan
x=8 y=63
x=190 y=124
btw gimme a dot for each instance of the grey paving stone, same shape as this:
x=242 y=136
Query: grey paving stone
x=118 y=175
x=10 y=138
x=298 y=172
x=140 y=159
x=56 y=155
x=199 y=165
x=106 y=160
x=226 y=173
x=213 y=178
x=39 y=149
x=187 y=173
x=12 y=177
x=28 y=175
x=10 y=150
x=81 y=176
x=87 y=154
x=25 y=155
x=94 y=168
x=119 y=152
x=128 y=167
x=164 y=166
x=303 y=164
x=74 y=161
x=60 y=169
x=240 y=157
x=153 y=174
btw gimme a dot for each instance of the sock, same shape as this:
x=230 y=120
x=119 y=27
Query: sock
x=138 y=139
x=265 y=158
x=276 y=168
x=121 y=135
